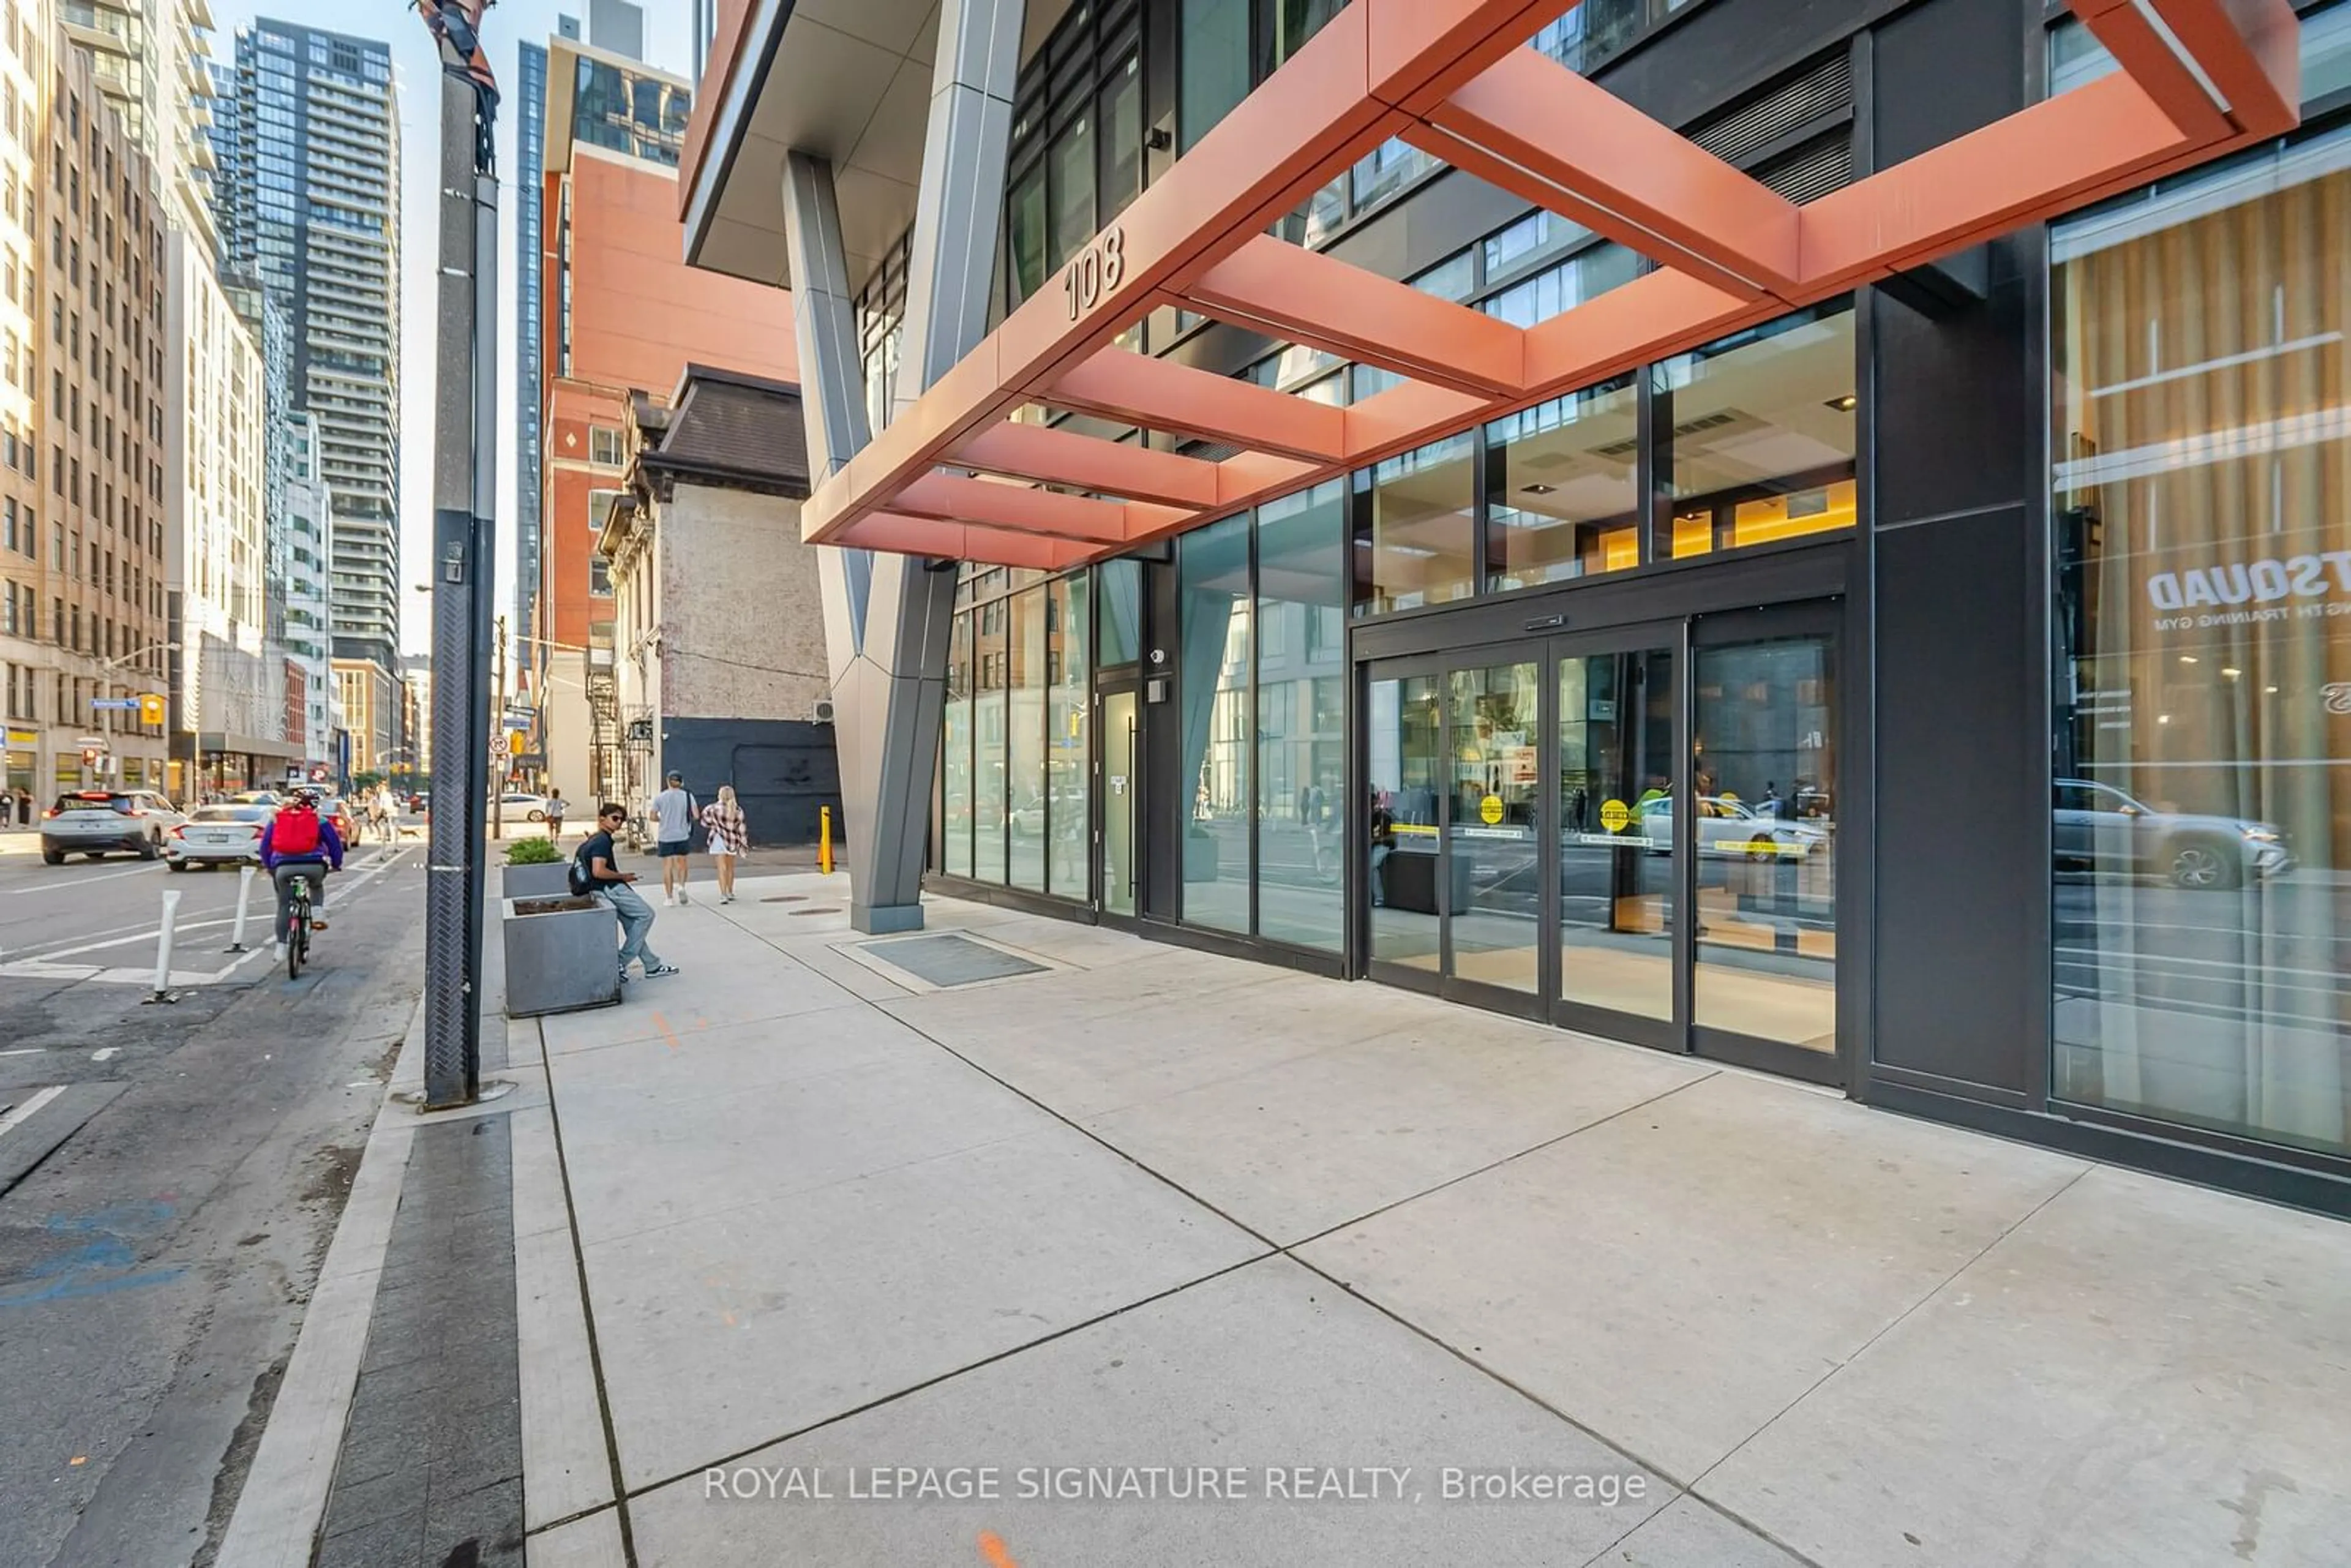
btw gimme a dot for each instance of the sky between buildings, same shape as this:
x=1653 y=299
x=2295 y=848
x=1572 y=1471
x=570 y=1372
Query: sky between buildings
x=417 y=70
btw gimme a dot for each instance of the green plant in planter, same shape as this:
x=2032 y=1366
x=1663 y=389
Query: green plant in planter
x=532 y=851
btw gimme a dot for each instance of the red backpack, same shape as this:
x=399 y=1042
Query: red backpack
x=297 y=830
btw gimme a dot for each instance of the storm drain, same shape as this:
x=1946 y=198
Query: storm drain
x=947 y=959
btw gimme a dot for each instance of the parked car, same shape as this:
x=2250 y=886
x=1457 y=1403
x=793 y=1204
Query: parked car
x=522 y=807
x=218 y=835
x=255 y=798
x=96 y=822
x=2097 y=828
x=345 y=828
x=1733 y=828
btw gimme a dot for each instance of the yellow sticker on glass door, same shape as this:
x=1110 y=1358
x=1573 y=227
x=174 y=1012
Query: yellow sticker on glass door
x=1614 y=815
x=1490 y=809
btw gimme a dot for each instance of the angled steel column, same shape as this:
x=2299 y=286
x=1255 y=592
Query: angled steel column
x=888 y=617
x=833 y=391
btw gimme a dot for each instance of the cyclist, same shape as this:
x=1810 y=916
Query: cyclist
x=301 y=843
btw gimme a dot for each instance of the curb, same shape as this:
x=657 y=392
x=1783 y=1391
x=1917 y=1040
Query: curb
x=284 y=1494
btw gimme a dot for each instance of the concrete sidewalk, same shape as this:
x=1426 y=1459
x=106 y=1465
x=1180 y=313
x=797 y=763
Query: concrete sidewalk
x=1135 y=1213
x=1118 y=1253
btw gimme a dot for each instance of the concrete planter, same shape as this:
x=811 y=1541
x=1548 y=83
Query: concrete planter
x=537 y=881
x=562 y=955
x=1201 y=858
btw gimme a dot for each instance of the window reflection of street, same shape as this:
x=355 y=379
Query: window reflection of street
x=1763 y=764
x=1496 y=858
x=2202 y=904
x=1617 y=876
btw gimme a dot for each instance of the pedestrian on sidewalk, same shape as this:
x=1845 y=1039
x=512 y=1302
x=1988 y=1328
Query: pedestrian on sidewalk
x=731 y=836
x=596 y=871
x=556 y=807
x=673 y=813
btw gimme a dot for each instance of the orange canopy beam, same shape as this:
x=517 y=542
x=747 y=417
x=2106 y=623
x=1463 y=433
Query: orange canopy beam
x=1161 y=394
x=903 y=535
x=1289 y=292
x=1454 y=77
x=950 y=497
x=1039 y=451
x=1538 y=130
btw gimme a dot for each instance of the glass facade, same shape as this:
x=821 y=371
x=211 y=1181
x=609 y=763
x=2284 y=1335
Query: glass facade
x=1301 y=708
x=1563 y=497
x=1015 y=754
x=2202 y=827
x=1757 y=435
x=1415 y=536
x=1641 y=831
x=1213 y=676
x=643 y=117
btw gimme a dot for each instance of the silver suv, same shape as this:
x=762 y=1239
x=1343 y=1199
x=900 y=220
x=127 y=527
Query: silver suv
x=97 y=822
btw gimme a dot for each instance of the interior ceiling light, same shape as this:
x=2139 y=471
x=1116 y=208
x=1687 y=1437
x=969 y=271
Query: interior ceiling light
x=1538 y=489
x=1845 y=404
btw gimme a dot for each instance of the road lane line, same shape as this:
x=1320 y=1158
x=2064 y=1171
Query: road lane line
x=356 y=880
x=22 y=1111
x=86 y=881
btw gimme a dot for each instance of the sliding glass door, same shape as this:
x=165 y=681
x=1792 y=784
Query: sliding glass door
x=1631 y=832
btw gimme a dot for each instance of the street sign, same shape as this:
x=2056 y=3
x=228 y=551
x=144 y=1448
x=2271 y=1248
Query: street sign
x=115 y=705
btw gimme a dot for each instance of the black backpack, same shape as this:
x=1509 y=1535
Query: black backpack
x=583 y=880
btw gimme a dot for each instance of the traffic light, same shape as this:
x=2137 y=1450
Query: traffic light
x=89 y=756
x=515 y=741
x=151 y=709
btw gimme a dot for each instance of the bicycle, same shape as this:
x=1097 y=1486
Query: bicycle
x=297 y=926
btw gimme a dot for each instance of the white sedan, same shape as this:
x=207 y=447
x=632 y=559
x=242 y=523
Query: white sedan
x=1734 y=828
x=522 y=807
x=218 y=835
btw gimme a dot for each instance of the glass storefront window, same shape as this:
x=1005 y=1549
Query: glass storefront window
x=1756 y=435
x=1071 y=161
x=1405 y=752
x=1121 y=587
x=1025 y=235
x=1213 y=65
x=1530 y=240
x=1561 y=498
x=955 y=766
x=1301 y=740
x=1068 y=681
x=1295 y=21
x=1025 y=708
x=1555 y=290
x=1597 y=30
x=1122 y=139
x=1213 y=585
x=2202 y=827
x=991 y=676
x=1386 y=169
x=1414 y=545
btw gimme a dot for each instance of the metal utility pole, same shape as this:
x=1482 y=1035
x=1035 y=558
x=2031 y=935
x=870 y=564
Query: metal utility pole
x=464 y=483
x=502 y=755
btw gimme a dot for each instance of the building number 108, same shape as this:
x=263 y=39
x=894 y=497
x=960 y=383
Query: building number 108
x=1096 y=271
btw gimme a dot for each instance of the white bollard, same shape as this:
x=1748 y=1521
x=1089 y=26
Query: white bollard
x=244 y=901
x=163 y=948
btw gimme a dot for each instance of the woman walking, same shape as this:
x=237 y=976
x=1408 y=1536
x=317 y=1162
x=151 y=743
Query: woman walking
x=731 y=836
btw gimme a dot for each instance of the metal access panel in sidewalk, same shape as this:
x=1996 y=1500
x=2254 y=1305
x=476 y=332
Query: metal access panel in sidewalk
x=945 y=959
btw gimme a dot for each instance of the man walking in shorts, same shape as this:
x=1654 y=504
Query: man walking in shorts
x=674 y=812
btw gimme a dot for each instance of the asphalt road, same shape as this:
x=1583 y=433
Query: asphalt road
x=153 y=1265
